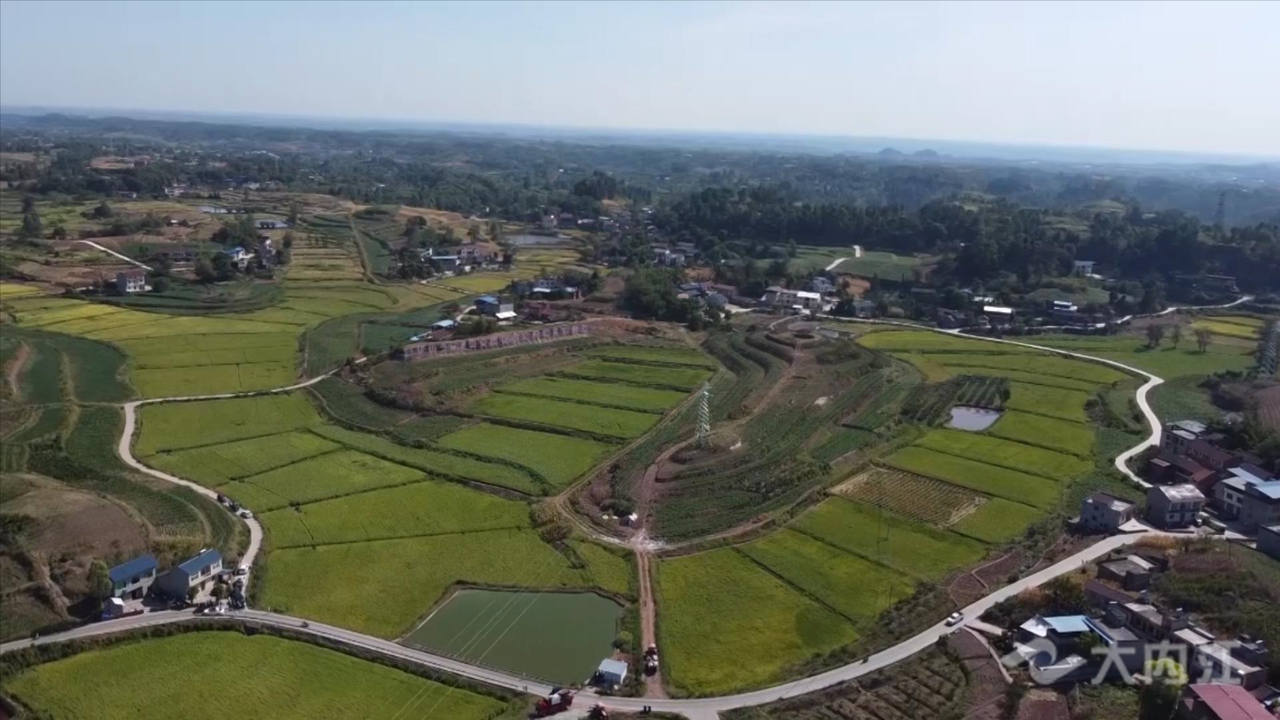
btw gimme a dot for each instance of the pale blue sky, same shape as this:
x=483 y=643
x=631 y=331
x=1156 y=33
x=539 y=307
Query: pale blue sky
x=1176 y=76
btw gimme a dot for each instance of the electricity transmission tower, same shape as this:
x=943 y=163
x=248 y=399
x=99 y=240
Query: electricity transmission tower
x=704 y=416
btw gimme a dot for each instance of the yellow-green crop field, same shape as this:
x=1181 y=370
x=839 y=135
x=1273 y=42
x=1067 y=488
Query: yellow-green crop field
x=262 y=675
x=394 y=519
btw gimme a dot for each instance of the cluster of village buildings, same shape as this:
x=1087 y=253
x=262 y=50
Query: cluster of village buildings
x=139 y=578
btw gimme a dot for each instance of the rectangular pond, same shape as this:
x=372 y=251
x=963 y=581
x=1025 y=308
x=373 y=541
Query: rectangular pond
x=973 y=419
x=553 y=636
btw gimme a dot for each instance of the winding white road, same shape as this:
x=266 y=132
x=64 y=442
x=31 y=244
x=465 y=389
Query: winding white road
x=125 y=448
x=695 y=708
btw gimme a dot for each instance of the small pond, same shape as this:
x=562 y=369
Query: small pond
x=973 y=419
x=558 y=637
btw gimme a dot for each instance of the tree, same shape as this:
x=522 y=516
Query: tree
x=1203 y=338
x=100 y=587
x=1155 y=333
x=31 y=226
x=160 y=284
x=1159 y=697
x=204 y=271
x=294 y=209
x=1175 y=334
x=223 y=268
x=102 y=211
x=221 y=591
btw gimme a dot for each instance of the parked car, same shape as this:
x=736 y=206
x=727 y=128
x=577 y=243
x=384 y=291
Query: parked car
x=955 y=618
x=246 y=514
x=242 y=571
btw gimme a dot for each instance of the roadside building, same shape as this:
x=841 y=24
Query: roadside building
x=1131 y=573
x=1215 y=660
x=488 y=305
x=1101 y=595
x=1250 y=496
x=611 y=673
x=1179 y=435
x=782 y=298
x=132 y=578
x=1082 y=268
x=1269 y=540
x=1220 y=702
x=1174 y=506
x=192 y=573
x=132 y=281
x=1101 y=512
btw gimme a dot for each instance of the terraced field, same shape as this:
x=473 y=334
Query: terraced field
x=272 y=677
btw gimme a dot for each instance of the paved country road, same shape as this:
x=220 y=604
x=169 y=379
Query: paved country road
x=695 y=708
x=109 y=251
x=125 y=448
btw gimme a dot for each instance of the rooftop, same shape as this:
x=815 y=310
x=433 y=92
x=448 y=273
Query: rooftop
x=1179 y=493
x=1110 y=501
x=612 y=667
x=131 y=568
x=200 y=561
x=1231 y=702
x=1192 y=426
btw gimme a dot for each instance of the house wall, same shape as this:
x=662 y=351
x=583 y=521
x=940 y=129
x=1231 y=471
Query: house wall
x=495 y=341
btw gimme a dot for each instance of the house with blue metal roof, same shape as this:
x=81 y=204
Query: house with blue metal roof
x=192 y=573
x=132 y=578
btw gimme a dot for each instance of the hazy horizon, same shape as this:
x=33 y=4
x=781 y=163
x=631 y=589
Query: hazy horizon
x=1177 y=78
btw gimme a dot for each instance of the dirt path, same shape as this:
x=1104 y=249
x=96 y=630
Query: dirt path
x=654 y=687
x=16 y=366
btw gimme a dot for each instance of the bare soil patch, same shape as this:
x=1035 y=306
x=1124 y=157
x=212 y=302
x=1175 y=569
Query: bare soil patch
x=71 y=522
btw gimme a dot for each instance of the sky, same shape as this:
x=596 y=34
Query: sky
x=1183 y=76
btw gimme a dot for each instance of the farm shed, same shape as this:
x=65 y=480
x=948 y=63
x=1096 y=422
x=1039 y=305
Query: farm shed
x=611 y=672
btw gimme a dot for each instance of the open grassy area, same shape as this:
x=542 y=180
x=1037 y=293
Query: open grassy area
x=1044 y=400
x=665 y=354
x=385 y=586
x=249 y=676
x=1009 y=484
x=679 y=378
x=881 y=265
x=430 y=507
x=559 y=459
x=572 y=415
x=331 y=475
x=855 y=587
x=891 y=540
x=997 y=520
x=588 y=391
x=1006 y=453
x=171 y=426
x=214 y=465
x=523 y=632
x=728 y=624
x=1044 y=431
x=1165 y=360
x=435 y=461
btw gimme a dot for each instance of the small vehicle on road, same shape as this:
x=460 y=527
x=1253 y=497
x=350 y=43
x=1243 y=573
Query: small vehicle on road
x=558 y=701
x=242 y=571
x=955 y=618
x=247 y=515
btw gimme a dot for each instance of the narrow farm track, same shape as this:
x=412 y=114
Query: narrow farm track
x=695 y=709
